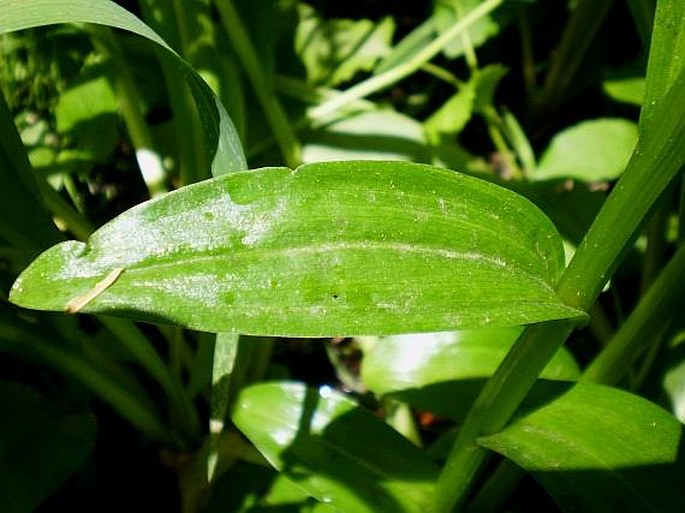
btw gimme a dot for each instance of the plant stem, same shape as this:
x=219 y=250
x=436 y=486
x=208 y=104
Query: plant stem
x=497 y=489
x=77 y=224
x=649 y=172
x=394 y=75
x=138 y=345
x=568 y=56
x=149 y=161
x=273 y=110
x=100 y=383
x=498 y=400
x=636 y=334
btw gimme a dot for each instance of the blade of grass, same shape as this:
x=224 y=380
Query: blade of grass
x=578 y=35
x=649 y=172
x=149 y=161
x=139 y=346
x=397 y=73
x=635 y=336
x=273 y=110
x=130 y=407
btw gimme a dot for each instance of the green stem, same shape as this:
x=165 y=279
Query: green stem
x=637 y=333
x=498 y=400
x=149 y=161
x=273 y=110
x=379 y=82
x=649 y=172
x=183 y=27
x=651 y=169
x=497 y=489
x=656 y=243
x=139 y=346
x=568 y=56
x=77 y=224
x=102 y=385
x=643 y=15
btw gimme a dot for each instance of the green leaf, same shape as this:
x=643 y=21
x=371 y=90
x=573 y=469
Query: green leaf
x=626 y=90
x=590 y=151
x=411 y=361
x=674 y=375
x=333 y=51
x=448 y=12
x=453 y=115
x=598 y=449
x=24 y=223
x=221 y=141
x=443 y=372
x=371 y=135
x=88 y=111
x=486 y=82
x=408 y=47
x=336 y=248
x=322 y=441
x=39 y=447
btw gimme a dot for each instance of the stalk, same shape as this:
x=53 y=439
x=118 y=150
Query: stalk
x=651 y=169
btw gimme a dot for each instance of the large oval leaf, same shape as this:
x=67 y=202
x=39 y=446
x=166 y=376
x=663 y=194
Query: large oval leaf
x=334 y=450
x=328 y=249
x=598 y=449
x=443 y=373
x=401 y=362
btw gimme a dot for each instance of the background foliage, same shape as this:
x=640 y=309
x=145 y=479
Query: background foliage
x=568 y=114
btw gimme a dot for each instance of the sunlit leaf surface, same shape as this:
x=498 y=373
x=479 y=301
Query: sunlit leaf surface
x=328 y=249
x=600 y=449
x=336 y=451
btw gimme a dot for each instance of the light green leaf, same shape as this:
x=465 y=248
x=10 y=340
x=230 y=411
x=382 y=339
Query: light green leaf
x=336 y=248
x=674 y=377
x=453 y=115
x=408 y=47
x=221 y=140
x=400 y=362
x=88 y=112
x=590 y=151
x=39 y=447
x=486 y=82
x=448 y=12
x=626 y=90
x=444 y=372
x=598 y=449
x=334 y=50
x=370 y=135
x=334 y=450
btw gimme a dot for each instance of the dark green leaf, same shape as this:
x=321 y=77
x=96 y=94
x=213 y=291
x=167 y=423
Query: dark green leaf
x=334 y=450
x=24 y=223
x=337 y=248
x=39 y=447
x=598 y=449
